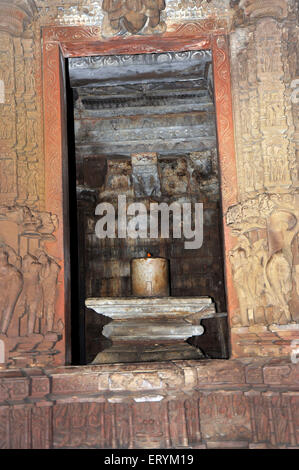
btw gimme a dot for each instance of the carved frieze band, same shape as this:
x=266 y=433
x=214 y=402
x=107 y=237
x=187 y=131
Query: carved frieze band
x=231 y=406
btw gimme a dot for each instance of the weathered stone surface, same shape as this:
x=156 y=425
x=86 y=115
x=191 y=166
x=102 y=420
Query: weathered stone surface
x=89 y=401
x=13 y=389
x=217 y=410
x=269 y=341
x=254 y=374
x=134 y=307
x=146 y=181
x=266 y=216
x=151 y=328
x=281 y=375
x=133 y=16
x=222 y=372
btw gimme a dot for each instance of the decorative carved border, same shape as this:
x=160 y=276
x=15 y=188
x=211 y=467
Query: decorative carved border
x=226 y=154
x=59 y=42
x=55 y=182
x=253 y=404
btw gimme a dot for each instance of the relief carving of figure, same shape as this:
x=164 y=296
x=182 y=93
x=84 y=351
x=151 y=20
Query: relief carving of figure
x=7 y=176
x=263 y=260
x=28 y=283
x=132 y=16
x=47 y=224
x=282 y=229
x=30 y=300
x=276 y=166
x=248 y=262
x=13 y=258
x=11 y=283
x=49 y=276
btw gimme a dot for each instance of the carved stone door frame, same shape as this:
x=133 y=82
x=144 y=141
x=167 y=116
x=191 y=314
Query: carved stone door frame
x=72 y=41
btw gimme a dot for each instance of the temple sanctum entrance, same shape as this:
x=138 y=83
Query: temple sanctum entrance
x=149 y=224
x=145 y=131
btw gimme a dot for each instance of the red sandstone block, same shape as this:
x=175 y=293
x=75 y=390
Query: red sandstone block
x=41 y=427
x=14 y=389
x=225 y=417
x=76 y=383
x=220 y=372
x=10 y=374
x=4 y=427
x=40 y=386
x=254 y=375
x=20 y=433
x=281 y=374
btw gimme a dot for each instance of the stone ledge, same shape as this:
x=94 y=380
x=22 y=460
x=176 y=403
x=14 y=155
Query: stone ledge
x=165 y=379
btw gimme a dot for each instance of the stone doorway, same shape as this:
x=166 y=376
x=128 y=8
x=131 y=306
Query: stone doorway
x=145 y=128
x=65 y=43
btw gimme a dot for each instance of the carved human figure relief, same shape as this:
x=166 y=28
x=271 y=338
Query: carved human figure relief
x=248 y=262
x=282 y=228
x=13 y=258
x=28 y=284
x=30 y=300
x=132 y=16
x=11 y=283
x=7 y=180
x=263 y=260
x=279 y=280
x=48 y=278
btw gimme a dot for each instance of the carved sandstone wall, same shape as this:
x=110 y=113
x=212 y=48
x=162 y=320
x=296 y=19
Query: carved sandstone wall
x=183 y=404
x=265 y=258
x=265 y=222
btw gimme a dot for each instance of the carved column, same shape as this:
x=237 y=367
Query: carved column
x=29 y=330
x=265 y=222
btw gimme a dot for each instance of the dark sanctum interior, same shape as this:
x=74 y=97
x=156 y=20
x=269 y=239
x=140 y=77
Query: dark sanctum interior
x=160 y=106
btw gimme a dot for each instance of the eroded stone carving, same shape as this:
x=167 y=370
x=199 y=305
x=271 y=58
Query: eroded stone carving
x=263 y=264
x=19 y=13
x=11 y=282
x=28 y=284
x=260 y=8
x=181 y=10
x=20 y=125
x=263 y=119
x=48 y=277
x=29 y=303
x=133 y=16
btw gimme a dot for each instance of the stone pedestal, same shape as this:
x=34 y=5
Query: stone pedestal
x=151 y=329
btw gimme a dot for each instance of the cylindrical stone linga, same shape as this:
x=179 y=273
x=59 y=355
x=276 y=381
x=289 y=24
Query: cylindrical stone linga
x=150 y=277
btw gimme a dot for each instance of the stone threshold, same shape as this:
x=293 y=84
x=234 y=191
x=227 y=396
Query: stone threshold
x=127 y=381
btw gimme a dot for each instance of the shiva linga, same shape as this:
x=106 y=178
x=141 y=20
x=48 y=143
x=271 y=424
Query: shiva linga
x=150 y=277
x=151 y=325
